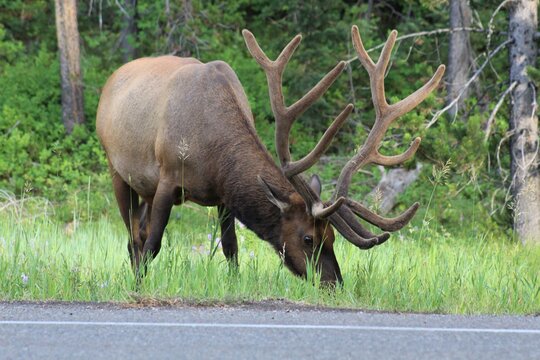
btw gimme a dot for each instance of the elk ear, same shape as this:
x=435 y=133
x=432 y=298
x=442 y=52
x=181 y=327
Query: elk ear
x=315 y=184
x=273 y=195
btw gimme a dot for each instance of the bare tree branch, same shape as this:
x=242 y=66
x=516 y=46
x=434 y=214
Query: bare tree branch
x=422 y=33
x=124 y=11
x=439 y=113
x=507 y=136
x=496 y=109
x=490 y=23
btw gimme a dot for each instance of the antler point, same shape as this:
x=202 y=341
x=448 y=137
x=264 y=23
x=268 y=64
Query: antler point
x=441 y=68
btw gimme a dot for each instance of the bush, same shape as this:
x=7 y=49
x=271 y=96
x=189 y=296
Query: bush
x=37 y=156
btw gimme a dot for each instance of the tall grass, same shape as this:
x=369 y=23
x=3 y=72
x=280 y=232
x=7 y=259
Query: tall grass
x=416 y=270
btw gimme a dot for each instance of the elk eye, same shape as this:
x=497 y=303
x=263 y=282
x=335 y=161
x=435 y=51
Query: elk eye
x=308 y=239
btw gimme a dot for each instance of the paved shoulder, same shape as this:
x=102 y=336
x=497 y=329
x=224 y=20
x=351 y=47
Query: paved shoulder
x=268 y=331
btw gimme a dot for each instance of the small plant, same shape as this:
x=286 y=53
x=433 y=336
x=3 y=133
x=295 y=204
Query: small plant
x=439 y=176
x=213 y=238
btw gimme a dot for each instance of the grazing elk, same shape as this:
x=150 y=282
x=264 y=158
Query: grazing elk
x=175 y=129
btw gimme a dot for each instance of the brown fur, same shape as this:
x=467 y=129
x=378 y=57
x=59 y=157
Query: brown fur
x=175 y=129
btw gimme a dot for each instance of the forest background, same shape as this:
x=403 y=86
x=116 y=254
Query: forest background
x=461 y=174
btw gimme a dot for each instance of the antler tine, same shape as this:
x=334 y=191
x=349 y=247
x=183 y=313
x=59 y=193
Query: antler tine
x=379 y=159
x=411 y=101
x=386 y=53
x=316 y=92
x=299 y=166
x=320 y=212
x=386 y=224
x=376 y=71
x=344 y=221
x=255 y=50
x=263 y=60
x=363 y=56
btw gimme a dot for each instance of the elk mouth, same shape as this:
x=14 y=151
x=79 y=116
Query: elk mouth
x=326 y=265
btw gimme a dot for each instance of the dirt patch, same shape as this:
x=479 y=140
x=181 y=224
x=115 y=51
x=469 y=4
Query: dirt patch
x=146 y=302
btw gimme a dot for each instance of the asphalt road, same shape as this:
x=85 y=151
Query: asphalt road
x=271 y=330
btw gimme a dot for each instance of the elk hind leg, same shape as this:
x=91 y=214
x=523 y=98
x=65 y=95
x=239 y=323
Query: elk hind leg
x=128 y=203
x=144 y=221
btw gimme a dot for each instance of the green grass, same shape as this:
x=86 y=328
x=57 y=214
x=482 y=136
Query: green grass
x=44 y=260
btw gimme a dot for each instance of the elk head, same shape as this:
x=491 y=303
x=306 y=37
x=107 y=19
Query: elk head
x=313 y=239
x=303 y=238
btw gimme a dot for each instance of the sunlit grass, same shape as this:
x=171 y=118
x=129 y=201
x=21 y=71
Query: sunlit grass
x=44 y=260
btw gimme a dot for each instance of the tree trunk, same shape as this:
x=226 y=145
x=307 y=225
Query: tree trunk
x=393 y=183
x=179 y=37
x=128 y=36
x=523 y=23
x=70 y=69
x=187 y=10
x=187 y=14
x=459 y=53
x=367 y=15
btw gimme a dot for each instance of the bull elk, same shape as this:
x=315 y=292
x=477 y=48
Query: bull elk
x=175 y=129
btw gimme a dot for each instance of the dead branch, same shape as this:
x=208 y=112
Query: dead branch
x=122 y=10
x=422 y=33
x=439 y=113
x=490 y=23
x=496 y=109
x=507 y=136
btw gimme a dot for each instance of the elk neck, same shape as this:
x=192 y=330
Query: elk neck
x=242 y=193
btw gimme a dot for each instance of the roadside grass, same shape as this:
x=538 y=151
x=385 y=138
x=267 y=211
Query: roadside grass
x=417 y=270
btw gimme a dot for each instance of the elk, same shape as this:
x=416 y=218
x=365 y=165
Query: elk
x=176 y=129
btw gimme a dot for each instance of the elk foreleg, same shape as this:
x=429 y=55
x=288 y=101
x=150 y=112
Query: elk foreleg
x=165 y=197
x=228 y=235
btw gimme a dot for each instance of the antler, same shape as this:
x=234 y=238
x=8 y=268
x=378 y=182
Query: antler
x=286 y=115
x=342 y=211
x=386 y=114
